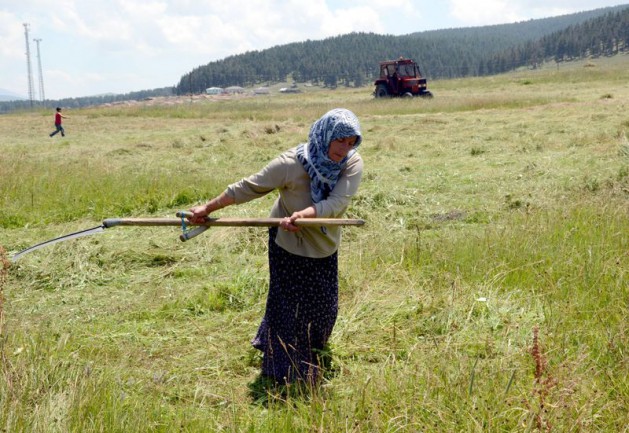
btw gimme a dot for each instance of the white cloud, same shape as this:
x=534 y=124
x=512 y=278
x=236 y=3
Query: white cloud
x=483 y=12
x=11 y=37
x=486 y=12
x=344 y=21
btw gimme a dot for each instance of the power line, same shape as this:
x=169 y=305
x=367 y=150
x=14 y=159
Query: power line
x=42 y=96
x=28 y=65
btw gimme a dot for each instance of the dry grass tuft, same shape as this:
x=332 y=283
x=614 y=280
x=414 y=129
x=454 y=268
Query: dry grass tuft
x=543 y=383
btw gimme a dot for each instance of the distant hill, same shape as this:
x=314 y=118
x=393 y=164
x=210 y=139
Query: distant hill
x=7 y=95
x=353 y=59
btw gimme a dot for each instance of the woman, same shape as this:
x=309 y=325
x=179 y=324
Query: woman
x=314 y=179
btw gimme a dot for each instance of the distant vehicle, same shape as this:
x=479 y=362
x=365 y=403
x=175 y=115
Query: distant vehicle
x=289 y=90
x=401 y=78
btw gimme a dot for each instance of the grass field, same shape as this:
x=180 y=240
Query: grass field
x=488 y=291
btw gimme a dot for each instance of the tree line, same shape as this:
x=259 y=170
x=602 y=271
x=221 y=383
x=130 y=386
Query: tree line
x=353 y=59
x=84 y=101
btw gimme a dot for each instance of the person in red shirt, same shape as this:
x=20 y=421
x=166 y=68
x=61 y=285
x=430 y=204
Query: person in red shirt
x=58 y=126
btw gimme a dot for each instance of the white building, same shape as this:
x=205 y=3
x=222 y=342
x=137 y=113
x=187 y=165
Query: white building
x=213 y=90
x=234 y=89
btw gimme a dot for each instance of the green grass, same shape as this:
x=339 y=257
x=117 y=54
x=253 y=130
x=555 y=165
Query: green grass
x=488 y=291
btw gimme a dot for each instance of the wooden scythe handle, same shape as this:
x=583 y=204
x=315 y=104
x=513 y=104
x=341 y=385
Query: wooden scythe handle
x=226 y=222
x=232 y=222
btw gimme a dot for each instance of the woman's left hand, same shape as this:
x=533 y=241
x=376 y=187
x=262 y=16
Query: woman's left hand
x=288 y=223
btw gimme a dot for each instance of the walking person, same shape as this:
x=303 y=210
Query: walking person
x=58 y=121
x=315 y=179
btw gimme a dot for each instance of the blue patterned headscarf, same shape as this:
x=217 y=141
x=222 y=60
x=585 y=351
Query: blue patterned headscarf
x=324 y=173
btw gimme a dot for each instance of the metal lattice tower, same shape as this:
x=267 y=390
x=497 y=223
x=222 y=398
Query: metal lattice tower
x=42 y=96
x=28 y=65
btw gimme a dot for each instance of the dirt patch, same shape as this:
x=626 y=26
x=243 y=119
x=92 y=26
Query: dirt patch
x=453 y=215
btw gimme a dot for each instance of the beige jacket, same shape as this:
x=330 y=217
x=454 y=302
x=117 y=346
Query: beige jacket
x=286 y=174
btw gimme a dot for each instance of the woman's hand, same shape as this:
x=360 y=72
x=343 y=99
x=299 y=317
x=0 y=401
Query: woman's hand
x=288 y=223
x=199 y=213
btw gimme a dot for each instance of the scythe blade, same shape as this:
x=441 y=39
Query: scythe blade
x=75 y=235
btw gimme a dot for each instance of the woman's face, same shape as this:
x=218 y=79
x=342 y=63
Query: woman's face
x=340 y=148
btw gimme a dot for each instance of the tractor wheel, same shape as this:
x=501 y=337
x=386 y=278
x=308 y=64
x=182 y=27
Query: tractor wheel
x=381 y=91
x=407 y=95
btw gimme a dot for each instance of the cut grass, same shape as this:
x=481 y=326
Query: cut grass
x=487 y=292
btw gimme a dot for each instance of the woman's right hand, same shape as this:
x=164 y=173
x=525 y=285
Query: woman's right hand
x=202 y=211
x=199 y=213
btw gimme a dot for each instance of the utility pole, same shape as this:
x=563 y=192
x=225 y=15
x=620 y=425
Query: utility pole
x=42 y=97
x=28 y=65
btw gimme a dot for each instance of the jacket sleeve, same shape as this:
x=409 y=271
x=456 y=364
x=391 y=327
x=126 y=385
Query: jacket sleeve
x=271 y=177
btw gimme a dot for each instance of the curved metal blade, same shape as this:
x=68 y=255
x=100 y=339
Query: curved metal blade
x=75 y=235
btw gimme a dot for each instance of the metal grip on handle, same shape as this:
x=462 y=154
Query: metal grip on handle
x=183 y=214
x=186 y=236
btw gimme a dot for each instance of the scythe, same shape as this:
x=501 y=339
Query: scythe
x=197 y=228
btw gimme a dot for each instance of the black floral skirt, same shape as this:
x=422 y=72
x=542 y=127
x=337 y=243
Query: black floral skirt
x=301 y=310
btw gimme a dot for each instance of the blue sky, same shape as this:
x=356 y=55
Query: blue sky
x=91 y=47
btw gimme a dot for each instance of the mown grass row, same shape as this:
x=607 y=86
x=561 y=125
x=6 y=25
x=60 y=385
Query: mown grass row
x=436 y=336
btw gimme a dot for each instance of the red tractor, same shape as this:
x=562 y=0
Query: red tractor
x=401 y=78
